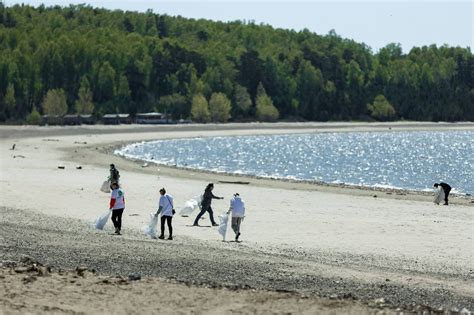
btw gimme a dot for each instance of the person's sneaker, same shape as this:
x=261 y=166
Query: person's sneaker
x=237 y=237
x=161 y=237
x=215 y=224
x=170 y=238
x=195 y=224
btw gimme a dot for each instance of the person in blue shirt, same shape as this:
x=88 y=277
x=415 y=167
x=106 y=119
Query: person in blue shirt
x=166 y=208
x=237 y=207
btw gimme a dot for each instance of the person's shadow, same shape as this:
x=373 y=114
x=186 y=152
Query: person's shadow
x=199 y=226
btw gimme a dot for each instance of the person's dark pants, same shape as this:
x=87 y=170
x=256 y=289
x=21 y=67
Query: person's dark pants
x=446 y=194
x=236 y=225
x=170 y=228
x=117 y=218
x=204 y=209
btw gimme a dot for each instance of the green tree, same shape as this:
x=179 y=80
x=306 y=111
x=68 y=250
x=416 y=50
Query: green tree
x=10 y=101
x=310 y=85
x=242 y=101
x=265 y=110
x=251 y=71
x=33 y=118
x=200 y=109
x=123 y=98
x=381 y=109
x=84 y=104
x=54 y=103
x=355 y=82
x=219 y=107
x=195 y=85
x=105 y=82
x=175 y=105
x=390 y=52
x=150 y=26
x=219 y=78
x=279 y=84
x=133 y=59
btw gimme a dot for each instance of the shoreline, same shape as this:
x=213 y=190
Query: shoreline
x=255 y=129
x=375 y=188
x=336 y=240
x=301 y=183
x=23 y=131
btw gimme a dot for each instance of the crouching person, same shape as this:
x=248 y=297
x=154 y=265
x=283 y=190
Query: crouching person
x=166 y=208
x=237 y=207
x=117 y=205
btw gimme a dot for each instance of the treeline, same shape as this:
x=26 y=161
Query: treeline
x=79 y=59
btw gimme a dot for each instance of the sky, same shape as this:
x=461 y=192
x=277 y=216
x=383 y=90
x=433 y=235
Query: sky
x=375 y=23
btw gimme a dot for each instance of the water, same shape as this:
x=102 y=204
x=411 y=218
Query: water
x=409 y=160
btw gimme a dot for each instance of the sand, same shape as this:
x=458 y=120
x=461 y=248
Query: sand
x=361 y=235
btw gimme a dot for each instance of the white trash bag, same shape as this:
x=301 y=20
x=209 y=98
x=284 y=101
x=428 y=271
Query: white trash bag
x=105 y=187
x=199 y=201
x=100 y=222
x=439 y=195
x=150 y=229
x=222 y=229
x=189 y=207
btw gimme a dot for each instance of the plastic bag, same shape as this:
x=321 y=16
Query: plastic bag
x=222 y=229
x=189 y=207
x=100 y=222
x=439 y=195
x=150 y=229
x=199 y=201
x=105 y=187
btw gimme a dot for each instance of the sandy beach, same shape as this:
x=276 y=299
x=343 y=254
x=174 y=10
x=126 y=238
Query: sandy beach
x=306 y=248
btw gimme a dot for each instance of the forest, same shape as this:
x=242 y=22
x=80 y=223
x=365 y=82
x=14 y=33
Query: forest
x=79 y=59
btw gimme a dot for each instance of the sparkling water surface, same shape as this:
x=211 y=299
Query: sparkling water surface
x=400 y=159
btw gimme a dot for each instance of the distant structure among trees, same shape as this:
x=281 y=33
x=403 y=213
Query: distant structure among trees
x=80 y=60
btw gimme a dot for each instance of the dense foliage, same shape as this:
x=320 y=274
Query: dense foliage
x=114 y=61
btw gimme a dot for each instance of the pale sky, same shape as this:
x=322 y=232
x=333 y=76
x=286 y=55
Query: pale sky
x=376 y=23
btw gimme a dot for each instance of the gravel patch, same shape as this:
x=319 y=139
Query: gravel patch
x=67 y=243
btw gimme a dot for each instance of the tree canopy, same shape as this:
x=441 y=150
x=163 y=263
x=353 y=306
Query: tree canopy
x=381 y=109
x=54 y=103
x=114 y=61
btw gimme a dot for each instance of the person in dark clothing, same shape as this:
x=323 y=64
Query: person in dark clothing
x=114 y=174
x=446 y=189
x=206 y=205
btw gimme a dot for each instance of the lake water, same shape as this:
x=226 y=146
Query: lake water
x=409 y=160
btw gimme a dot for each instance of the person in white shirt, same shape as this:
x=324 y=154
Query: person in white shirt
x=117 y=205
x=166 y=208
x=237 y=206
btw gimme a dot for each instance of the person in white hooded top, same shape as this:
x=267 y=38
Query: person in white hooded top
x=237 y=207
x=166 y=208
